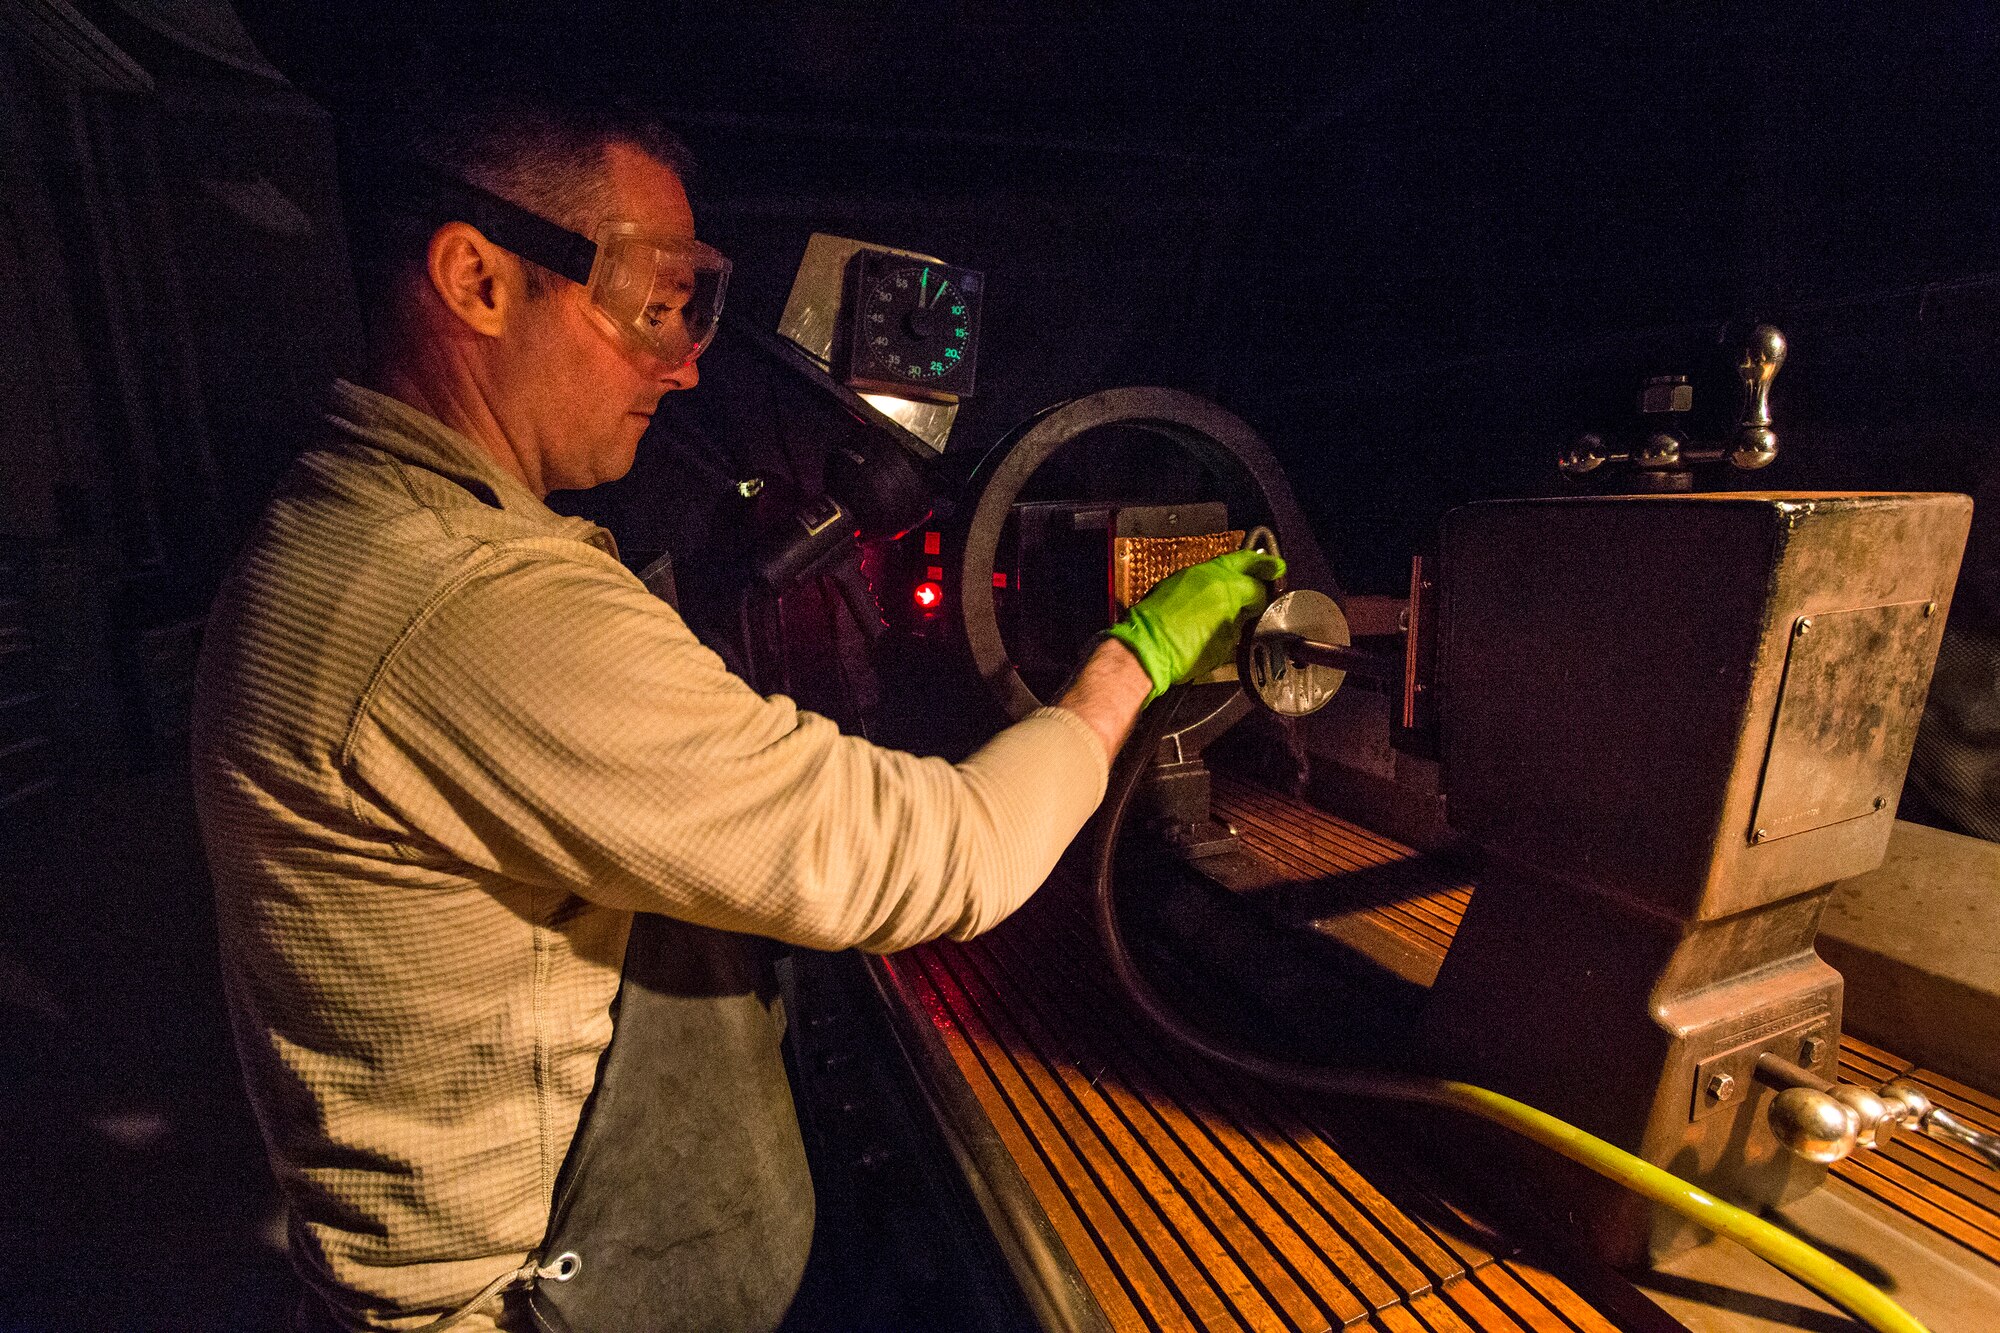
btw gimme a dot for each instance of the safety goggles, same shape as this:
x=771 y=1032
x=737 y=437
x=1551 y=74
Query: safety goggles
x=659 y=296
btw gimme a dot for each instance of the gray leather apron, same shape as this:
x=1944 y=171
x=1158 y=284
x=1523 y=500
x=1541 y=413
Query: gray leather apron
x=684 y=1202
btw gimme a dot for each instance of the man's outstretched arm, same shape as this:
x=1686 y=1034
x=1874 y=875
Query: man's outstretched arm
x=1108 y=693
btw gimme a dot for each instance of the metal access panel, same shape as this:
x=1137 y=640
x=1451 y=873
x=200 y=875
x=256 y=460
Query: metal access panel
x=1847 y=716
x=1613 y=672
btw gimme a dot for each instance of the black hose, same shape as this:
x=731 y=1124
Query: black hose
x=1131 y=766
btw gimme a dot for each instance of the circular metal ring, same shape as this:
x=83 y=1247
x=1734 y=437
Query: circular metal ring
x=1253 y=484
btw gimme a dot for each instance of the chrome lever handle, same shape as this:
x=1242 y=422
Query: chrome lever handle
x=1756 y=444
x=1947 y=1128
x=1935 y=1122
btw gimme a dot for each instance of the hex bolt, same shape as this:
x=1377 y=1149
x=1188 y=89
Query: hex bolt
x=1811 y=1049
x=1720 y=1086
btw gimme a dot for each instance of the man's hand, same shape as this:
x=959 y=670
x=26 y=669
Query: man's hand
x=1188 y=624
x=1184 y=628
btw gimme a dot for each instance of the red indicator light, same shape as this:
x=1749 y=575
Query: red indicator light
x=999 y=579
x=933 y=544
x=928 y=595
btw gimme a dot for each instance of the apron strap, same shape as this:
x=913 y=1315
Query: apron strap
x=563 y=1269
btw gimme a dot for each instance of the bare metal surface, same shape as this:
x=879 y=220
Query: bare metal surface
x=1947 y=1128
x=1271 y=665
x=1918 y=941
x=1812 y=1124
x=1756 y=444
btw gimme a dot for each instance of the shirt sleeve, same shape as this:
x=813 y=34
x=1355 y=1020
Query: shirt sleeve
x=549 y=720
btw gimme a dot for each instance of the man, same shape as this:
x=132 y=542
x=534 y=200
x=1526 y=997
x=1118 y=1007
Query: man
x=447 y=747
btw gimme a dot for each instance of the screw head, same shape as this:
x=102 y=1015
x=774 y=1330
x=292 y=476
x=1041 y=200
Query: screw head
x=1720 y=1086
x=1930 y=609
x=1758 y=835
x=1880 y=801
x=1804 y=625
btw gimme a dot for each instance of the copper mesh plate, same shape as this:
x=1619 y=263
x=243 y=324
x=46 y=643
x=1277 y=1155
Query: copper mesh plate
x=1137 y=563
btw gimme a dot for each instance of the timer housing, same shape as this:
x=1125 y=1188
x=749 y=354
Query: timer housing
x=913 y=327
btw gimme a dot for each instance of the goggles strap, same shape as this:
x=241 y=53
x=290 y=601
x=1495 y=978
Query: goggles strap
x=504 y=222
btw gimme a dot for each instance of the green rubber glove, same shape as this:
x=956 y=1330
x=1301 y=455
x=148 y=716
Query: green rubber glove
x=1187 y=625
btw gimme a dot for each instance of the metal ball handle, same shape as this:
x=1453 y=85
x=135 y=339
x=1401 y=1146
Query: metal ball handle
x=1813 y=1124
x=1756 y=444
x=1809 y=1111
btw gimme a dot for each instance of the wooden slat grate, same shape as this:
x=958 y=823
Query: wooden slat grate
x=1185 y=1200
x=1939 y=1184
x=1188 y=1200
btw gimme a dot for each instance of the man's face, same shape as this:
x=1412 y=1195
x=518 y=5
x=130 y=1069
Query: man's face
x=579 y=399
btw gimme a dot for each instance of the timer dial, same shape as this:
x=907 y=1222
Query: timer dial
x=914 y=328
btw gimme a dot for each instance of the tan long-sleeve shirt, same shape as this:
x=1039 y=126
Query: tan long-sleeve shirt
x=445 y=745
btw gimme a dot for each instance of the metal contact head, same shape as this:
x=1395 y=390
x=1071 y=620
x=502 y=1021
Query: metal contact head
x=1873 y=1121
x=1907 y=1103
x=1586 y=453
x=1275 y=679
x=1755 y=447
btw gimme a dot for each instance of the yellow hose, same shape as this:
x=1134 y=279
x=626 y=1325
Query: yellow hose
x=1782 y=1250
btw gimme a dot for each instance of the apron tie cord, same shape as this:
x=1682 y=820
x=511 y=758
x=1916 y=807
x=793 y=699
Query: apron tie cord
x=562 y=1270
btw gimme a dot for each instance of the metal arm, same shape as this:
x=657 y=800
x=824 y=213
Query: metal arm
x=1660 y=452
x=1940 y=1124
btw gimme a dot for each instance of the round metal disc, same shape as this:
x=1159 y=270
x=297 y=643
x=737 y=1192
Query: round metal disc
x=1269 y=674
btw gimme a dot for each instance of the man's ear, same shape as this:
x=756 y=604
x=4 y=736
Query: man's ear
x=478 y=281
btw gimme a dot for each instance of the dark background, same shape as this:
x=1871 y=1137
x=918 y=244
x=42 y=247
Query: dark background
x=1416 y=247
